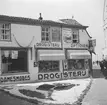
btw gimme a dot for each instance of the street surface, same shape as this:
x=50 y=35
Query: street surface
x=97 y=94
x=6 y=99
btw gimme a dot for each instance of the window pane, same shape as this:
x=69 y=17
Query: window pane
x=75 y=41
x=45 y=34
x=43 y=38
x=48 y=66
x=43 y=29
x=14 y=61
x=76 y=64
x=7 y=26
x=1 y=25
x=47 y=38
x=5 y=32
x=47 y=29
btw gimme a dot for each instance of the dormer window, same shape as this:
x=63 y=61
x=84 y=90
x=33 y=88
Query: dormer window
x=5 y=31
x=75 y=35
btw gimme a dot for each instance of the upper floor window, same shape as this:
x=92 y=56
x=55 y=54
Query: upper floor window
x=56 y=34
x=50 y=34
x=45 y=35
x=5 y=31
x=75 y=35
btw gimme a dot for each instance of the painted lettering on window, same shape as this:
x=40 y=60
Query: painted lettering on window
x=71 y=74
x=14 y=78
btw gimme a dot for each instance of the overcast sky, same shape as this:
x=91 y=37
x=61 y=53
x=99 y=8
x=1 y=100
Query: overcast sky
x=87 y=12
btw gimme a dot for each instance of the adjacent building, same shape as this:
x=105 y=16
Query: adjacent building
x=104 y=52
x=43 y=50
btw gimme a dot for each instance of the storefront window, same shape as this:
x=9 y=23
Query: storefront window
x=48 y=66
x=76 y=64
x=13 y=61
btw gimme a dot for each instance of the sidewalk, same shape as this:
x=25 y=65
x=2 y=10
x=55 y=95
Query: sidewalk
x=97 y=95
x=65 y=92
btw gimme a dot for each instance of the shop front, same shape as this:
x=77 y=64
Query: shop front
x=77 y=62
x=53 y=64
x=50 y=64
x=14 y=65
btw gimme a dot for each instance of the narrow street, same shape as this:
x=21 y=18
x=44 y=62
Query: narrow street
x=97 y=95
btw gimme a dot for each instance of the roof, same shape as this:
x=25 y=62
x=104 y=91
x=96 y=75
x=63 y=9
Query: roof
x=30 y=21
x=71 y=22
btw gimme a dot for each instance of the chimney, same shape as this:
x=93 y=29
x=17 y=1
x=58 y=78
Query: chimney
x=40 y=18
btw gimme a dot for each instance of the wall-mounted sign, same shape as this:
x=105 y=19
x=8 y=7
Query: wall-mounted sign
x=48 y=45
x=92 y=43
x=67 y=35
x=70 y=74
x=78 y=45
x=14 y=78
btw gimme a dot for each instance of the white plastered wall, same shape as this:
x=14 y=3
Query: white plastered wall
x=24 y=34
x=83 y=35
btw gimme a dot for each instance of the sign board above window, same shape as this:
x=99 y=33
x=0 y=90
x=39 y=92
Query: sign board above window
x=48 y=45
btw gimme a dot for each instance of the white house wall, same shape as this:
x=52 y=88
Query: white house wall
x=25 y=33
x=83 y=37
x=67 y=32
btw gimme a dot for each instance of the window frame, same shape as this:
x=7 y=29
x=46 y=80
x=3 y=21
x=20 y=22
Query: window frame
x=45 y=32
x=75 y=34
x=4 y=35
x=15 y=49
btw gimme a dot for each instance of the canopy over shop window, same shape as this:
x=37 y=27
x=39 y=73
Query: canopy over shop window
x=78 y=54
x=51 y=55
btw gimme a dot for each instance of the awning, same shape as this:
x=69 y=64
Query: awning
x=51 y=55
x=78 y=54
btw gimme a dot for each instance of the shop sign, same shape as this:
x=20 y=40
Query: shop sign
x=70 y=74
x=92 y=43
x=14 y=78
x=68 y=39
x=78 y=45
x=48 y=45
x=67 y=35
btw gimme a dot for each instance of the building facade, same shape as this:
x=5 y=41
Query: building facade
x=42 y=50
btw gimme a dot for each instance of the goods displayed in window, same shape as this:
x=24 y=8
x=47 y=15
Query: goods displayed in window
x=13 y=61
x=75 y=64
x=48 y=66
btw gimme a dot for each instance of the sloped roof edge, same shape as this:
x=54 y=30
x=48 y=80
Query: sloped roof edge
x=30 y=21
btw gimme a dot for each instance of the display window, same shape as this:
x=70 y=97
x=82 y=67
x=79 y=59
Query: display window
x=48 y=66
x=76 y=64
x=13 y=61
